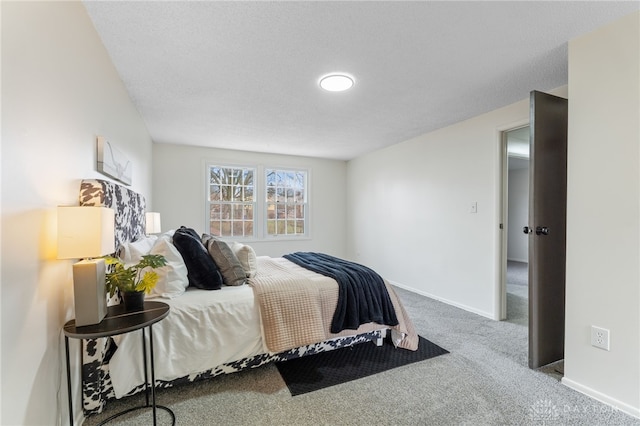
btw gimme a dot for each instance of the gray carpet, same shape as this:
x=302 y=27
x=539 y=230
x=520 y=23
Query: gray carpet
x=517 y=273
x=518 y=292
x=483 y=381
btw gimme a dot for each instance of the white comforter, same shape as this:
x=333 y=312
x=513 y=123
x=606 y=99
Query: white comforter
x=193 y=338
x=206 y=329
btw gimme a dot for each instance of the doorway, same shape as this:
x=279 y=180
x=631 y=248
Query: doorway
x=545 y=228
x=517 y=216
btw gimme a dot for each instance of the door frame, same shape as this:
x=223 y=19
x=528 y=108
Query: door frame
x=500 y=297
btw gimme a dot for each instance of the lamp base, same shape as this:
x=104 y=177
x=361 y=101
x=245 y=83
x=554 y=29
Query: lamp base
x=89 y=291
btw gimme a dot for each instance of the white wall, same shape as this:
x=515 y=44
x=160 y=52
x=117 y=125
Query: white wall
x=518 y=217
x=603 y=213
x=179 y=194
x=409 y=210
x=59 y=90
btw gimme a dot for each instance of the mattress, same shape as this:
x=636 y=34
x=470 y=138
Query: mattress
x=204 y=329
x=283 y=307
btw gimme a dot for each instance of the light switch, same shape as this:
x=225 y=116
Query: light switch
x=474 y=207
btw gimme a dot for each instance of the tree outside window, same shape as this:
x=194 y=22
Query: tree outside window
x=286 y=202
x=231 y=201
x=256 y=202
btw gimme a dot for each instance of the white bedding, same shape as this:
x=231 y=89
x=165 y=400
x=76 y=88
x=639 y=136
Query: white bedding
x=208 y=328
x=181 y=349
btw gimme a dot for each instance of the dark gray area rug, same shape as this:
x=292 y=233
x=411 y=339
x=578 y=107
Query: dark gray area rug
x=314 y=372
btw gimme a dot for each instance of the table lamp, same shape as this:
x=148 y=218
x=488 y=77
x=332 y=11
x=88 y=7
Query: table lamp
x=153 y=223
x=86 y=233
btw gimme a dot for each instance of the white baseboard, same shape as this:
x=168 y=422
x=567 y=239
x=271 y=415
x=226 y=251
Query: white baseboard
x=599 y=396
x=443 y=300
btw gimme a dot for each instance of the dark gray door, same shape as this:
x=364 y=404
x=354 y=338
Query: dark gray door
x=547 y=228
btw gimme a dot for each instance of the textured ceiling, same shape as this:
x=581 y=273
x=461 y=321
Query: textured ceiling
x=244 y=75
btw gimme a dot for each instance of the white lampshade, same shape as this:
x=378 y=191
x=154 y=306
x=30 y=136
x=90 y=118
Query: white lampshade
x=85 y=232
x=153 y=223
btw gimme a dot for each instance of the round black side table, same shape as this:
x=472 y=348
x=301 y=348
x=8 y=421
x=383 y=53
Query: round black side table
x=119 y=321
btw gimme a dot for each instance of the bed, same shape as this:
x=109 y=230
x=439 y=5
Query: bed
x=275 y=310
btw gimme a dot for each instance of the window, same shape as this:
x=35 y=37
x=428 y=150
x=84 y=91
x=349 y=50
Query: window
x=232 y=201
x=286 y=202
x=256 y=202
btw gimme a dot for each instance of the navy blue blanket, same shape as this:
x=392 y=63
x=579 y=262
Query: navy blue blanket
x=362 y=295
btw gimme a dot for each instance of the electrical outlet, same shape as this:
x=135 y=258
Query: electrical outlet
x=600 y=337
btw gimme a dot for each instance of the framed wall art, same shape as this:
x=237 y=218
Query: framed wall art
x=112 y=162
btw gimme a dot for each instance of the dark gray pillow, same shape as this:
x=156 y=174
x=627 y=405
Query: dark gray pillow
x=232 y=272
x=202 y=271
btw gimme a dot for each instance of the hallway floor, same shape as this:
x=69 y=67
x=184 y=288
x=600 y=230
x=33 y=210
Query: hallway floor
x=517 y=292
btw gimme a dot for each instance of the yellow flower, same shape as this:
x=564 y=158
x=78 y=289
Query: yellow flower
x=133 y=278
x=148 y=282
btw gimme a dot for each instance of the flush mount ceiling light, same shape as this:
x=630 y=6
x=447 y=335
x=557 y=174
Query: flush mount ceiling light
x=336 y=82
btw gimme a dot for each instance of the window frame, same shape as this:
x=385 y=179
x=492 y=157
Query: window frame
x=260 y=215
x=209 y=203
x=306 y=204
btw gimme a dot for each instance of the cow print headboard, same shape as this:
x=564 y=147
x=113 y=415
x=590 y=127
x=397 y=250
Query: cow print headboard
x=129 y=226
x=129 y=207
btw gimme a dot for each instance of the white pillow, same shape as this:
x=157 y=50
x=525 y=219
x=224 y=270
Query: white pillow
x=172 y=280
x=247 y=257
x=131 y=253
